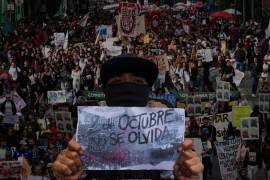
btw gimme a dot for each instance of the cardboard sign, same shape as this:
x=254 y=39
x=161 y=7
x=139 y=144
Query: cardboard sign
x=55 y=97
x=264 y=102
x=10 y=169
x=250 y=128
x=239 y=112
x=120 y=138
x=226 y=152
x=64 y=121
x=223 y=91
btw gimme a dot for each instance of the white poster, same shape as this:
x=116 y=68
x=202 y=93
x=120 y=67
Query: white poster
x=250 y=128
x=120 y=138
x=221 y=123
x=226 y=152
x=55 y=97
x=223 y=91
x=59 y=40
x=10 y=169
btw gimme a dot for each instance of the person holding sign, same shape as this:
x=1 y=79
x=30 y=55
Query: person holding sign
x=127 y=81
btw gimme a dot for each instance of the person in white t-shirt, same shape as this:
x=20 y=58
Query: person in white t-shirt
x=14 y=71
x=76 y=78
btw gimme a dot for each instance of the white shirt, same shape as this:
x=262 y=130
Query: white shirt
x=76 y=75
x=13 y=71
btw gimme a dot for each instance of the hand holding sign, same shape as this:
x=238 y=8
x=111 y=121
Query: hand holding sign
x=68 y=164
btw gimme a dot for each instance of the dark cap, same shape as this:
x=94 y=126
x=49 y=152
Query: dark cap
x=129 y=64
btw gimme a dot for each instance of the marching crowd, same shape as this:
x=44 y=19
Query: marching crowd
x=178 y=43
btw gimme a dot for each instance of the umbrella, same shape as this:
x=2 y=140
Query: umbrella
x=198 y=4
x=222 y=15
x=233 y=11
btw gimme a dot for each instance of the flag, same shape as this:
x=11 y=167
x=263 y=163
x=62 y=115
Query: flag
x=98 y=37
x=146 y=39
x=105 y=31
x=65 y=45
x=83 y=21
x=267 y=31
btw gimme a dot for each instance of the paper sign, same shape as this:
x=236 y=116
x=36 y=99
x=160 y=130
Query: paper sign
x=226 y=152
x=223 y=91
x=250 y=128
x=118 y=138
x=238 y=113
x=10 y=169
x=55 y=97
x=64 y=121
x=59 y=39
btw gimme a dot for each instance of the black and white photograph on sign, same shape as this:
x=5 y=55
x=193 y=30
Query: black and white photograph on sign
x=249 y=128
x=64 y=121
x=194 y=107
x=264 y=102
x=223 y=92
x=130 y=138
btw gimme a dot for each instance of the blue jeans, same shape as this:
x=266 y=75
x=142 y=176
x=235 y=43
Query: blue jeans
x=240 y=66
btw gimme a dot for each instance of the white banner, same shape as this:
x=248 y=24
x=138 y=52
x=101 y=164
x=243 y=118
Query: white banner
x=226 y=152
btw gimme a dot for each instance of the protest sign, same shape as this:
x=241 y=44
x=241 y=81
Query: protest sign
x=64 y=121
x=10 y=169
x=194 y=106
x=223 y=91
x=18 y=101
x=59 y=39
x=120 y=138
x=250 y=128
x=226 y=152
x=94 y=95
x=239 y=112
x=264 y=102
x=10 y=118
x=221 y=122
x=55 y=97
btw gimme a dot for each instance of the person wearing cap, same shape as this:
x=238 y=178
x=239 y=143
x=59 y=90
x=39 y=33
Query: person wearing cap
x=127 y=81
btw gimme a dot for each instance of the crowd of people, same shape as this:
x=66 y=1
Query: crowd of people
x=177 y=42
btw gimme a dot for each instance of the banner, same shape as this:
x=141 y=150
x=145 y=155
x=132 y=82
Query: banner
x=94 y=95
x=223 y=91
x=55 y=97
x=194 y=107
x=239 y=112
x=59 y=39
x=221 y=122
x=120 y=138
x=250 y=128
x=105 y=31
x=64 y=121
x=226 y=152
x=10 y=169
x=264 y=102
x=129 y=22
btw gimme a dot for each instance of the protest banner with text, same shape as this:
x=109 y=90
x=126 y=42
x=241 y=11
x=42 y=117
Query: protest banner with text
x=226 y=152
x=10 y=169
x=119 y=138
x=55 y=97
